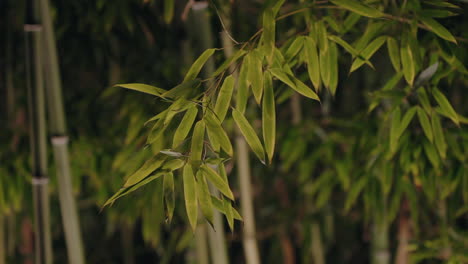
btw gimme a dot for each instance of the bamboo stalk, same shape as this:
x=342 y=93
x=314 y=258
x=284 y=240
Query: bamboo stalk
x=249 y=240
x=201 y=247
x=380 y=253
x=60 y=141
x=33 y=28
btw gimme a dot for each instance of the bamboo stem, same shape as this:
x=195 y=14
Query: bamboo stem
x=59 y=140
x=33 y=28
x=201 y=246
x=402 y=255
x=380 y=253
x=317 y=245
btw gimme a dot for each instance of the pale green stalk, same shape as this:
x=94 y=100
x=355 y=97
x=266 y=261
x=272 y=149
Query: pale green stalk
x=59 y=140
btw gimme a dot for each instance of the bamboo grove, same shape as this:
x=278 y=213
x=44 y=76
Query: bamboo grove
x=304 y=132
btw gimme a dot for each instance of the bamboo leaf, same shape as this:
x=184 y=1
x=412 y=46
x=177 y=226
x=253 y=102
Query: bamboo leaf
x=249 y=134
x=268 y=117
x=282 y=76
x=144 y=88
x=324 y=57
x=358 y=8
x=395 y=129
x=431 y=154
x=301 y=88
x=198 y=140
x=204 y=196
x=216 y=130
x=255 y=75
x=169 y=196
x=186 y=89
x=269 y=28
x=228 y=62
x=367 y=53
x=344 y=44
x=219 y=205
x=407 y=61
x=424 y=100
x=294 y=48
x=198 y=65
x=439 y=138
x=168 y=11
x=312 y=60
x=406 y=120
x=425 y=124
x=242 y=87
x=445 y=105
x=229 y=213
x=190 y=194
x=394 y=53
x=322 y=34
x=224 y=98
x=185 y=125
x=217 y=181
x=173 y=164
x=437 y=28
x=148 y=167
x=333 y=68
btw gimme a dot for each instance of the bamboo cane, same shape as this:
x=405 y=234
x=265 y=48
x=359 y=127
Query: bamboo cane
x=33 y=28
x=249 y=240
x=60 y=141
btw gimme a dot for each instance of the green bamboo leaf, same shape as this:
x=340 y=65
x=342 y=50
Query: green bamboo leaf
x=321 y=35
x=249 y=134
x=269 y=28
x=269 y=117
x=282 y=76
x=294 y=48
x=437 y=28
x=173 y=164
x=190 y=194
x=169 y=196
x=406 y=120
x=224 y=98
x=186 y=89
x=354 y=192
x=394 y=53
x=407 y=61
x=148 y=167
x=204 y=197
x=255 y=74
x=425 y=124
x=445 y=105
x=333 y=68
x=217 y=181
x=312 y=60
x=228 y=62
x=367 y=53
x=373 y=30
x=157 y=131
x=219 y=205
x=344 y=44
x=431 y=154
x=216 y=130
x=144 y=88
x=242 y=87
x=359 y=8
x=395 y=129
x=301 y=88
x=439 y=138
x=185 y=125
x=168 y=10
x=350 y=21
x=198 y=140
x=229 y=213
x=324 y=57
x=424 y=100
x=198 y=65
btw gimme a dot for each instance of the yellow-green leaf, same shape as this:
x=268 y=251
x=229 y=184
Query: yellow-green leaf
x=169 y=197
x=249 y=134
x=294 y=48
x=439 y=138
x=190 y=195
x=359 y=8
x=255 y=74
x=301 y=88
x=312 y=60
x=424 y=100
x=344 y=44
x=228 y=62
x=148 y=167
x=198 y=65
x=282 y=76
x=394 y=53
x=367 y=53
x=198 y=140
x=321 y=35
x=185 y=125
x=394 y=129
x=406 y=120
x=269 y=117
x=425 y=124
x=217 y=181
x=204 y=196
x=445 y=105
x=324 y=66
x=242 y=87
x=224 y=98
x=407 y=62
x=229 y=213
x=216 y=130
x=437 y=28
x=269 y=27
x=144 y=88
x=333 y=68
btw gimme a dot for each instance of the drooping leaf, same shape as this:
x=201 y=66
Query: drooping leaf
x=144 y=88
x=407 y=61
x=190 y=195
x=148 y=167
x=249 y=134
x=445 y=105
x=268 y=117
x=204 y=196
x=394 y=53
x=217 y=181
x=282 y=76
x=224 y=98
x=242 y=88
x=321 y=35
x=255 y=74
x=219 y=205
x=437 y=28
x=367 y=53
x=439 y=138
x=431 y=154
x=359 y=8
x=395 y=129
x=229 y=213
x=301 y=88
x=344 y=44
x=425 y=124
x=198 y=139
x=169 y=196
x=333 y=68
x=198 y=65
x=186 y=89
x=216 y=130
x=324 y=57
x=269 y=28
x=185 y=125
x=294 y=48
x=312 y=60
x=424 y=100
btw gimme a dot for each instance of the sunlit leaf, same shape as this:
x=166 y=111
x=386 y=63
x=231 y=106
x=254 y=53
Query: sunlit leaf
x=249 y=134
x=229 y=213
x=394 y=53
x=312 y=60
x=185 y=125
x=216 y=130
x=204 y=196
x=439 y=138
x=255 y=74
x=282 y=76
x=217 y=181
x=367 y=53
x=144 y=88
x=333 y=68
x=190 y=195
x=269 y=28
x=242 y=88
x=407 y=61
x=301 y=88
x=437 y=28
x=224 y=98
x=425 y=124
x=169 y=196
x=406 y=120
x=198 y=139
x=198 y=65
x=173 y=164
x=269 y=117
x=294 y=48
x=359 y=8
x=445 y=105
x=148 y=167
